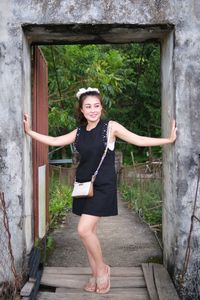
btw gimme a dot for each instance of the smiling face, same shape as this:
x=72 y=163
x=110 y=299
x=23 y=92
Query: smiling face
x=92 y=108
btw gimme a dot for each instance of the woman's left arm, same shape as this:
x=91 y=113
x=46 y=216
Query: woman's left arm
x=121 y=132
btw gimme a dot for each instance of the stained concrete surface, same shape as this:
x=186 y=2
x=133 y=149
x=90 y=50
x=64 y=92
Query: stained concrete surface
x=22 y=22
x=125 y=239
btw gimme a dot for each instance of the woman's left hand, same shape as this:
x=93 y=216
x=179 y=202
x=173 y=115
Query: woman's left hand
x=172 y=137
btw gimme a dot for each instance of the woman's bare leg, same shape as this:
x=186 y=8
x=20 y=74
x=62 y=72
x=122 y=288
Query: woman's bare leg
x=90 y=240
x=91 y=285
x=87 y=232
x=91 y=259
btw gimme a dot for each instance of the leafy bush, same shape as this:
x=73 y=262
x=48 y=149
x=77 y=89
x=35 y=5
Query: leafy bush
x=145 y=198
x=60 y=202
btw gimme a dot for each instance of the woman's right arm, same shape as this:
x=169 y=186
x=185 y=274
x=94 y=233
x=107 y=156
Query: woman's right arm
x=62 y=140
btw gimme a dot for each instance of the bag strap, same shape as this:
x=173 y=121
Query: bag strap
x=104 y=154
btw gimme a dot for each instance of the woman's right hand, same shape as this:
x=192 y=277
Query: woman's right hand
x=27 y=127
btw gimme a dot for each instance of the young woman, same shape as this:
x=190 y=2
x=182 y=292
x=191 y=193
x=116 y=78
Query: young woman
x=90 y=140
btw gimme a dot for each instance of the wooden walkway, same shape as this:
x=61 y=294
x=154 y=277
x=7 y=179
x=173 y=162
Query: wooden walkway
x=125 y=249
x=148 y=282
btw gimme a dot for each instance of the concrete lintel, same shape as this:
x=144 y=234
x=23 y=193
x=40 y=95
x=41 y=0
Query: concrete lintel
x=97 y=34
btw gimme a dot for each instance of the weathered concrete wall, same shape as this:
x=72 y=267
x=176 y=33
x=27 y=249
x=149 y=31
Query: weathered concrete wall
x=181 y=89
x=12 y=179
x=185 y=168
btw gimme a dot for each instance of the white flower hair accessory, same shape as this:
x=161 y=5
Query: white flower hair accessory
x=83 y=91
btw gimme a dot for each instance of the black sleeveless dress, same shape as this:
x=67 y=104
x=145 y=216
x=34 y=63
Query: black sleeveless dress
x=91 y=145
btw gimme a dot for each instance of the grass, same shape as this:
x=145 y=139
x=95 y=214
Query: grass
x=145 y=197
x=45 y=247
x=60 y=202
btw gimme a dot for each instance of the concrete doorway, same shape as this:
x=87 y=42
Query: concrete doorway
x=85 y=34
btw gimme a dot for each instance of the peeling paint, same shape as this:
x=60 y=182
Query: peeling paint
x=3 y=154
x=182 y=187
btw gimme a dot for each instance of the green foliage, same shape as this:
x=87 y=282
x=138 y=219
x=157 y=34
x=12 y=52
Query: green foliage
x=60 y=201
x=139 y=101
x=128 y=77
x=45 y=249
x=49 y=245
x=145 y=199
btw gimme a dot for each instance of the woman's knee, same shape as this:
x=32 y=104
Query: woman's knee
x=83 y=230
x=87 y=225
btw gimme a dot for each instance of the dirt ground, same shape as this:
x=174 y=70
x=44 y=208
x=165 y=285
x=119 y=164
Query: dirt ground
x=125 y=240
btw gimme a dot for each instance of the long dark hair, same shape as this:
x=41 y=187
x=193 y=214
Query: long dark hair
x=81 y=120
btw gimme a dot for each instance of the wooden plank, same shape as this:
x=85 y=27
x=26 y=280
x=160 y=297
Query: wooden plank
x=124 y=282
x=67 y=270
x=77 y=281
x=27 y=289
x=115 y=271
x=149 y=279
x=164 y=284
x=88 y=296
x=113 y=291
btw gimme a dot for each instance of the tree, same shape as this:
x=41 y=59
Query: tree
x=128 y=77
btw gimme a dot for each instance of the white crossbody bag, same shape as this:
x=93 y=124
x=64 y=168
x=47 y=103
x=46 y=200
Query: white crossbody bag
x=85 y=189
